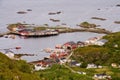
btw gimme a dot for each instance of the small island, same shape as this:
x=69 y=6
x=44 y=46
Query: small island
x=117 y=22
x=118 y=5
x=30 y=30
x=97 y=18
x=87 y=25
x=21 y=12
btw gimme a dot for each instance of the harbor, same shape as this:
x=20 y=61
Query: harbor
x=33 y=41
x=59 y=40
x=27 y=45
x=67 y=16
x=28 y=30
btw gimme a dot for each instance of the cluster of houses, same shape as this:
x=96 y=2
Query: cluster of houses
x=58 y=55
x=93 y=66
x=29 y=31
x=102 y=76
x=61 y=53
x=96 y=41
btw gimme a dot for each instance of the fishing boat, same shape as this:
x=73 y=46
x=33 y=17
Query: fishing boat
x=17 y=47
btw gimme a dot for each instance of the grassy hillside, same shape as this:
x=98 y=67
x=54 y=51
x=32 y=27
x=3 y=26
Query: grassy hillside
x=101 y=55
x=15 y=70
x=20 y=70
x=106 y=54
x=113 y=41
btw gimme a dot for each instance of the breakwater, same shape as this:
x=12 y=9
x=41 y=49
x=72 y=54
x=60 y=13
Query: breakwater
x=65 y=30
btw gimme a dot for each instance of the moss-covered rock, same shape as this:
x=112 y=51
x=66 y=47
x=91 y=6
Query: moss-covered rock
x=87 y=25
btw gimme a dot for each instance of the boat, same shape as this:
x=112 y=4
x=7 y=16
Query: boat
x=55 y=20
x=29 y=9
x=17 y=47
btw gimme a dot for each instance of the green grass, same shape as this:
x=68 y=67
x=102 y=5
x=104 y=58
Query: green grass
x=15 y=70
x=103 y=55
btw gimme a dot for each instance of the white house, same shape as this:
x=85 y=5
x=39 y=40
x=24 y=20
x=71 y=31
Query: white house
x=75 y=63
x=101 y=76
x=92 y=40
x=91 y=66
x=10 y=55
x=84 y=73
x=40 y=67
x=101 y=42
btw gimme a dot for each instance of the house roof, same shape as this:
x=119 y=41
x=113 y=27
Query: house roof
x=103 y=74
x=103 y=40
x=70 y=43
x=80 y=42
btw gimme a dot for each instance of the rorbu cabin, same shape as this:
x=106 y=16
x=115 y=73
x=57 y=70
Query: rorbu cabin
x=102 y=76
x=80 y=44
x=42 y=64
x=70 y=45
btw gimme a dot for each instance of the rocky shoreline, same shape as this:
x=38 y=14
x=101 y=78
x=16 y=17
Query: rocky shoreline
x=28 y=30
x=94 y=30
x=66 y=30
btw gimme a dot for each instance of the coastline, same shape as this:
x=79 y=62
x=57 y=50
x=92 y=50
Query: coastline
x=65 y=30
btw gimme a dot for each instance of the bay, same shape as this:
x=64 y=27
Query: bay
x=72 y=13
